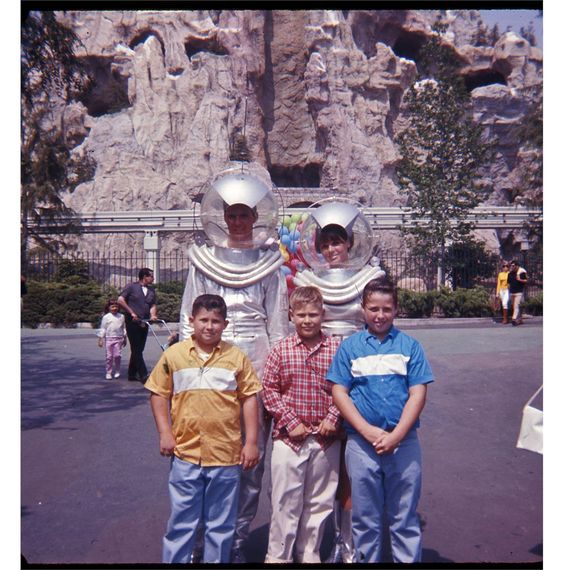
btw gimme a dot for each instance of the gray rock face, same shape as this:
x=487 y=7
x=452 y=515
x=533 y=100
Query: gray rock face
x=316 y=93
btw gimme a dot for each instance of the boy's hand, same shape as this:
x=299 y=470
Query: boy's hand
x=167 y=444
x=300 y=432
x=373 y=434
x=100 y=342
x=387 y=443
x=249 y=456
x=326 y=428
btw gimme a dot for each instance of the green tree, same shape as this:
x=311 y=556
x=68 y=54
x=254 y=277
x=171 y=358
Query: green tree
x=494 y=35
x=442 y=152
x=51 y=75
x=529 y=191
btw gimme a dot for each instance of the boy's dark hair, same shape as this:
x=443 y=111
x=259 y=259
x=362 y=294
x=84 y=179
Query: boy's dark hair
x=304 y=295
x=380 y=285
x=145 y=272
x=210 y=303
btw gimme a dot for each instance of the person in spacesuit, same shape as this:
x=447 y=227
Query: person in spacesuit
x=241 y=262
x=337 y=244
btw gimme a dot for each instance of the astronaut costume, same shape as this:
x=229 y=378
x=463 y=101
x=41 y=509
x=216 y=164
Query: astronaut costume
x=246 y=272
x=341 y=282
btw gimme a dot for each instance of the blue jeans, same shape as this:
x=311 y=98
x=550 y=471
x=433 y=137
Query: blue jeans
x=201 y=493
x=385 y=487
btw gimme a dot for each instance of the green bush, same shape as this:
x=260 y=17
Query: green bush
x=533 y=305
x=464 y=302
x=168 y=306
x=414 y=304
x=174 y=287
x=63 y=303
x=73 y=271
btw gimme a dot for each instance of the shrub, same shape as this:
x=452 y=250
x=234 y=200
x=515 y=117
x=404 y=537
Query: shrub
x=464 y=302
x=73 y=271
x=414 y=304
x=533 y=305
x=62 y=303
x=174 y=287
x=168 y=306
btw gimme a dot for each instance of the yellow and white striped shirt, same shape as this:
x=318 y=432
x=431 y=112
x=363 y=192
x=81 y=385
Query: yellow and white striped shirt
x=205 y=400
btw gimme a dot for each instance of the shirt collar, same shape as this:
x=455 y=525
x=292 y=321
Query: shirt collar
x=296 y=341
x=192 y=345
x=392 y=333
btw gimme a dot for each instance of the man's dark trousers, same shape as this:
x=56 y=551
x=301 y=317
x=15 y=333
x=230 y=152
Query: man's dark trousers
x=137 y=335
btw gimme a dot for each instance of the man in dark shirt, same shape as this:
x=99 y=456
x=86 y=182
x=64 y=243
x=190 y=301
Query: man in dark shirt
x=139 y=302
x=517 y=279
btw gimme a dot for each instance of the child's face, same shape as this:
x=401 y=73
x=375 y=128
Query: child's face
x=307 y=319
x=114 y=309
x=208 y=327
x=379 y=313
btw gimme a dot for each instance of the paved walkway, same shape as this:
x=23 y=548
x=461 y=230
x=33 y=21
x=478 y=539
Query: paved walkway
x=93 y=485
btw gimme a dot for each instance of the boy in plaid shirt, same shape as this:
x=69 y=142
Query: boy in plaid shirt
x=306 y=451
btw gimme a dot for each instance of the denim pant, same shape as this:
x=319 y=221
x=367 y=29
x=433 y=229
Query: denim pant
x=385 y=488
x=201 y=493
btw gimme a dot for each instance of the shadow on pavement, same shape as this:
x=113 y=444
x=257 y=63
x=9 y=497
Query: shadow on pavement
x=55 y=389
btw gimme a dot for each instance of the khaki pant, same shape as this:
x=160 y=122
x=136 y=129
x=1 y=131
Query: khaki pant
x=304 y=485
x=516 y=302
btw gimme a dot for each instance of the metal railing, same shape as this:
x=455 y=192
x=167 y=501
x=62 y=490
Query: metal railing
x=117 y=269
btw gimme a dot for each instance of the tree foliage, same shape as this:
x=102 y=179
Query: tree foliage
x=442 y=152
x=51 y=75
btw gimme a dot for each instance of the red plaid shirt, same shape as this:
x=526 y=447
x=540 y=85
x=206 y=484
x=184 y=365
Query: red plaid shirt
x=294 y=388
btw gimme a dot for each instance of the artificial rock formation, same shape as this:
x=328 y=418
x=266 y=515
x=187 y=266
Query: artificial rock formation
x=316 y=93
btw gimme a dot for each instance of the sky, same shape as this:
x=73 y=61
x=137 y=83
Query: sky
x=517 y=19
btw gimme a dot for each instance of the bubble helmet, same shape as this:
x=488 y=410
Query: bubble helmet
x=238 y=191
x=343 y=220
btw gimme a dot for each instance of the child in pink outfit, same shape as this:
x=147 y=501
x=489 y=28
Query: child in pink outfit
x=112 y=331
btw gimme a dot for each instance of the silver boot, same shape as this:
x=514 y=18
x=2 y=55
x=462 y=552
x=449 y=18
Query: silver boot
x=343 y=549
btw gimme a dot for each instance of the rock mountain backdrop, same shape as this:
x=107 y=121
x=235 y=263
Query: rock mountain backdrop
x=317 y=94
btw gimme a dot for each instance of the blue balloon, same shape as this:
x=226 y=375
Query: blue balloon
x=286 y=270
x=285 y=239
x=283 y=231
x=293 y=246
x=295 y=235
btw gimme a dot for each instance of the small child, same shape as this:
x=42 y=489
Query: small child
x=380 y=378
x=306 y=450
x=198 y=389
x=112 y=331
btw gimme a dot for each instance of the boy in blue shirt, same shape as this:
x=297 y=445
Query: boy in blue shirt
x=380 y=378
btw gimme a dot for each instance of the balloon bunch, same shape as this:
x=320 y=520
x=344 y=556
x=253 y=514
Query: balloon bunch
x=289 y=234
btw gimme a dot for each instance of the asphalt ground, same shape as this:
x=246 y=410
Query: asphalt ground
x=94 y=487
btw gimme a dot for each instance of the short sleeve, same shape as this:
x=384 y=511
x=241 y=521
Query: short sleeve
x=247 y=380
x=160 y=379
x=418 y=369
x=340 y=370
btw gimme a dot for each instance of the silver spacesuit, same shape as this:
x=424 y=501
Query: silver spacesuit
x=239 y=216
x=337 y=242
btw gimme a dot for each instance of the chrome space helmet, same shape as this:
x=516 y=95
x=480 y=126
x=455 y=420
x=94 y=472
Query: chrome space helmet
x=239 y=209
x=336 y=234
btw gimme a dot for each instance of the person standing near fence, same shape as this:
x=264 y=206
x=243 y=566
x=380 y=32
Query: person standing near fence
x=517 y=280
x=139 y=302
x=502 y=291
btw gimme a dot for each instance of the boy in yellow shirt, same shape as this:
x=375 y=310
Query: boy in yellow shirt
x=198 y=388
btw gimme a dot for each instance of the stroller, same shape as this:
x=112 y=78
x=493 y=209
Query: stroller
x=171 y=338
